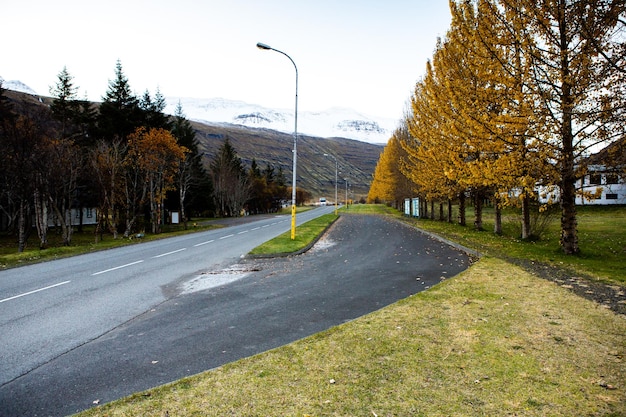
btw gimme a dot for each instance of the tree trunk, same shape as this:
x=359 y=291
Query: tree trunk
x=21 y=227
x=41 y=219
x=462 y=220
x=183 y=215
x=569 y=236
x=525 y=215
x=440 y=211
x=497 y=227
x=478 y=210
x=449 y=210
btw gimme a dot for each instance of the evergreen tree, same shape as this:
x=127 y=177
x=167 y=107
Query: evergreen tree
x=194 y=187
x=65 y=106
x=153 y=111
x=119 y=113
x=230 y=182
x=258 y=189
x=281 y=179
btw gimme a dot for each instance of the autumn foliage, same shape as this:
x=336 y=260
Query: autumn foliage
x=515 y=95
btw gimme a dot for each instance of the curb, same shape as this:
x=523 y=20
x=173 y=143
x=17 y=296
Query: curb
x=298 y=252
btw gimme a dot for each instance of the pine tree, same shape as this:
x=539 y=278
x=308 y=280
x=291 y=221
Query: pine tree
x=65 y=106
x=194 y=187
x=153 y=115
x=119 y=113
x=230 y=182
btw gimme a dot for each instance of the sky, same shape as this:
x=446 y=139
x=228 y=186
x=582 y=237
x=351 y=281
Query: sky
x=364 y=55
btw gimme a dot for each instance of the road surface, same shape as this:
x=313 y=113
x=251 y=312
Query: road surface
x=181 y=320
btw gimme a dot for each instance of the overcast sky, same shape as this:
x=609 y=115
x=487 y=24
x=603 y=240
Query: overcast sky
x=361 y=54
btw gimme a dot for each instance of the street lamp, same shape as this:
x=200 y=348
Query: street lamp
x=336 y=166
x=295 y=141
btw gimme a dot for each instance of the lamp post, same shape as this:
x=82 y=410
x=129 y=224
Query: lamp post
x=295 y=141
x=336 y=167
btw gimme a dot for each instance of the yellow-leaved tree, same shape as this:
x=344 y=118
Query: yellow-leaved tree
x=389 y=184
x=575 y=52
x=153 y=158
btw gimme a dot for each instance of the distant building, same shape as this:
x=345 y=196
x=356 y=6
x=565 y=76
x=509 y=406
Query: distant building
x=604 y=183
x=605 y=180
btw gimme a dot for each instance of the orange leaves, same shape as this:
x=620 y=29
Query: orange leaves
x=155 y=150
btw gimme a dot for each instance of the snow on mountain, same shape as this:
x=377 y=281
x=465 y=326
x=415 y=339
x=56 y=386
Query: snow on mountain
x=334 y=122
x=15 y=85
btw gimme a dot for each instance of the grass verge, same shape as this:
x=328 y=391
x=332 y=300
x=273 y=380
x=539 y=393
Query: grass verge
x=306 y=234
x=601 y=231
x=493 y=341
x=83 y=242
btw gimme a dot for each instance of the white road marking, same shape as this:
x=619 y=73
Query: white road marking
x=117 y=267
x=226 y=237
x=204 y=243
x=256 y=228
x=241 y=233
x=34 y=291
x=169 y=253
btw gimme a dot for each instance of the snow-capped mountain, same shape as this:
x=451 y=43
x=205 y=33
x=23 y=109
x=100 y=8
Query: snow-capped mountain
x=15 y=85
x=334 y=122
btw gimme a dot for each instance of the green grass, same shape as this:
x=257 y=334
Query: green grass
x=82 y=242
x=305 y=235
x=85 y=241
x=601 y=232
x=493 y=341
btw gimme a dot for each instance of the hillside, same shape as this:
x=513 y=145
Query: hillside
x=315 y=172
x=329 y=123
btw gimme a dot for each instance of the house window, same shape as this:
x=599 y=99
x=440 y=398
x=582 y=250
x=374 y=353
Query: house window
x=595 y=179
x=89 y=212
x=611 y=196
x=612 y=179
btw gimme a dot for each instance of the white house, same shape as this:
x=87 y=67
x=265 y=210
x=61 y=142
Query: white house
x=89 y=217
x=603 y=184
x=606 y=176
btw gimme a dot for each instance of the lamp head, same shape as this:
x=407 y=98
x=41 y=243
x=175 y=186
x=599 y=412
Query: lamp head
x=263 y=46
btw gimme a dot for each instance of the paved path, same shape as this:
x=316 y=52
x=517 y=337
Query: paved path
x=362 y=264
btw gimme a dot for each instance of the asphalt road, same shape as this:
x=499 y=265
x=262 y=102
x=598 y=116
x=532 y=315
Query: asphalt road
x=232 y=310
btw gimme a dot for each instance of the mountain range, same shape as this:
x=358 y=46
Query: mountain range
x=15 y=85
x=343 y=136
x=334 y=122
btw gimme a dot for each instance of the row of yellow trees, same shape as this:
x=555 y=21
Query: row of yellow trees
x=515 y=95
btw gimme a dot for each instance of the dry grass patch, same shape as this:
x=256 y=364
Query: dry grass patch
x=493 y=341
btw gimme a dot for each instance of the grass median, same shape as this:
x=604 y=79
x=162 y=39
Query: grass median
x=494 y=341
x=306 y=234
